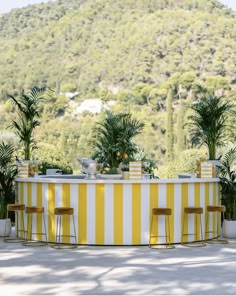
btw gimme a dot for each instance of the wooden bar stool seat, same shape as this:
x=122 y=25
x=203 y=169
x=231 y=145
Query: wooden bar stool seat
x=197 y=211
x=64 y=211
x=217 y=210
x=162 y=212
x=59 y=212
x=193 y=210
x=31 y=212
x=20 y=232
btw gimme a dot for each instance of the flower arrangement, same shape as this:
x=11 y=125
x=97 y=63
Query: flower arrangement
x=124 y=167
x=148 y=166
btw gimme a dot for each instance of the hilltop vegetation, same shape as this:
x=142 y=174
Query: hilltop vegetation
x=128 y=51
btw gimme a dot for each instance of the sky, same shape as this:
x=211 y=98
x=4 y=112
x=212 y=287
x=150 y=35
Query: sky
x=7 y=5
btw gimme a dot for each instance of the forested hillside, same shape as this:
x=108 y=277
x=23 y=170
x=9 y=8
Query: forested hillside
x=125 y=51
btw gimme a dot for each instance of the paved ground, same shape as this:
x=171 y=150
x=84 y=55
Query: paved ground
x=117 y=270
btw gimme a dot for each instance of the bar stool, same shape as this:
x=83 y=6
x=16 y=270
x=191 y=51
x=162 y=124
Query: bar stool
x=215 y=210
x=19 y=210
x=60 y=212
x=197 y=211
x=31 y=213
x=162 y=212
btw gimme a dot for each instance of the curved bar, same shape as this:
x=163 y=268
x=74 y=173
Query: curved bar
x=118 y=212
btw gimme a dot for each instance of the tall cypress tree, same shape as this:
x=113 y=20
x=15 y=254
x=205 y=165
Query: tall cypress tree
x=169 y=127
x=180 y=127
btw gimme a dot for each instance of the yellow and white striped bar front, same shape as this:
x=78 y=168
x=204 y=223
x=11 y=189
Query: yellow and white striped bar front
x=118 y=212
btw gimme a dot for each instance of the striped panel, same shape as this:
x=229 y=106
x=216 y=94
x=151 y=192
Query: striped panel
x=45 y=227
x=136 y=214
x=197 y=224
x=170 y=204
x=118 y=214
x=215 y=200
x=153 y=204
x=32 y=193
x=145 y=193
x=51 y=207
x=207 y=193
x=91 y=211
x=109 y=214
x=99 y=214
x=184 y=218
x=39 y=202
x=22 y=201
x=82 y=213
x=66 y=219
x=210 y=214
x=218 y=222
x=127 y=214
x=191 y=217
x=202 y=204
x=74 y=205
x=28 y=203
x=177 y=213
x=162 y=194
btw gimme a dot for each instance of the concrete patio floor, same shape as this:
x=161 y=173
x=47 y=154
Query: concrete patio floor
x=117 y=270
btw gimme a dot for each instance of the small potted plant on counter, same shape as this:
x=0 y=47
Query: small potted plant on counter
x=148 y=167
x=124 y=167
x=228 y=192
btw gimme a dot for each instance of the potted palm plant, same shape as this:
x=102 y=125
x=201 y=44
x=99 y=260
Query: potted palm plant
x=228 y=192
x=114 y=140
x=209 y=121
x=28 y=110
x=8 y=171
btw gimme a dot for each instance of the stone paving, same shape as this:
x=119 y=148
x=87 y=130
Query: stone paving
x=98 y=270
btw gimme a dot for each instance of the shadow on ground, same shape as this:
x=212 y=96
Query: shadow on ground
x=118 y=270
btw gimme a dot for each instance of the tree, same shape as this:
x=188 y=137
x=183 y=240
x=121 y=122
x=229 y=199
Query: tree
x=28 y=113
x=169 y=127
x=180 y=127
x=209 y=121
x=114 y=137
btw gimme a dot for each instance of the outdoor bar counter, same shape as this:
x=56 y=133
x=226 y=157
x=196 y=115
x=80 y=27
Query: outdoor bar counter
x=118 y=212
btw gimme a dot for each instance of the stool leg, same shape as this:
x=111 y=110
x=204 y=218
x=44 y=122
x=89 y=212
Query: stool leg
x=45 y=228
x=23 y=224
x=74 y=229
x=168 y=224
x=57 y=230
x=150 y=233
x=167 y=238
x=218 y=224
x=207 y=225
x=60 y=230
x=16 y=224
x=30 y=226
x=182 y=235
x=201 y=227
x=196 y=224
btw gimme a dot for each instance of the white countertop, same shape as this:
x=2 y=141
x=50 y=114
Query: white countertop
x=74 y=180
